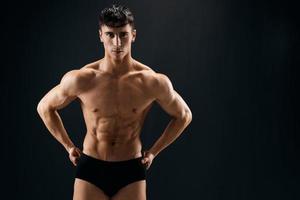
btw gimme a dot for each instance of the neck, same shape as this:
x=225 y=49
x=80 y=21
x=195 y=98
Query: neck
x=116 y=67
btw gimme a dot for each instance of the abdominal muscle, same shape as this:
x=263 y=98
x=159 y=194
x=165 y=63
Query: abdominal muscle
x=112 y=147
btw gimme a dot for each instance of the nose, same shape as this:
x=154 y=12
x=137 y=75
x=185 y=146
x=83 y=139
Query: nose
x=117 y=41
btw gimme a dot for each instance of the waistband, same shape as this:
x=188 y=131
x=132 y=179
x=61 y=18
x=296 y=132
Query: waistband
x=85 y=156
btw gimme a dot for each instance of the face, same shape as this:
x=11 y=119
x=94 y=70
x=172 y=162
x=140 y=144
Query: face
x=117 y=41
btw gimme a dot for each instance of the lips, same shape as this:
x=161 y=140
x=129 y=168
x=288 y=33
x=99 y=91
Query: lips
x=117 y=51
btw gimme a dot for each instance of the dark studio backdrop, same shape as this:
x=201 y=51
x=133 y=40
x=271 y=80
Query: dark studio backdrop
x=234 y=63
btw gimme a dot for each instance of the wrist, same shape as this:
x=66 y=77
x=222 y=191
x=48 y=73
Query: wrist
x=69 y=148
x=152 y=153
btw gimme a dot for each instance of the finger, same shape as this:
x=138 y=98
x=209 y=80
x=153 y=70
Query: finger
x=145 y=160
x=76 y=154
x=76 y=160
x=78 y=151
x=73 y=153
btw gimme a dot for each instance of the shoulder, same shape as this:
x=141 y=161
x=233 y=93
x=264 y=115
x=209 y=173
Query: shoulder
x=162 y=85
x=77 y=80
x=158 y=83
x=161 y=80
x=85 y=73
x=77 y=76
x=161 y=88
x=152 y=76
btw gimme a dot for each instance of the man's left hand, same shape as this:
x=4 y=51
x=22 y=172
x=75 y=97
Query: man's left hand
x=148 y=158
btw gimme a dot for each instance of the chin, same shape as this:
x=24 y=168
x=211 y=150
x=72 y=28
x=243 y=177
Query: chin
x=118 y=58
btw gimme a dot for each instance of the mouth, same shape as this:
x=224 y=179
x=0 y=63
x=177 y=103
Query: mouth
x=117 y=51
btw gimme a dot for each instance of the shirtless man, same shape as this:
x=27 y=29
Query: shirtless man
x=115 y=93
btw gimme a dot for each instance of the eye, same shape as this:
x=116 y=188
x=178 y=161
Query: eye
x=111 y=35
x=123 y=34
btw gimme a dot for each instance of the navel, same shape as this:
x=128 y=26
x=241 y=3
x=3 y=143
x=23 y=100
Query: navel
x=134 y=110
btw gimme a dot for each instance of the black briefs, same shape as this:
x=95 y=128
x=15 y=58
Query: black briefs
x=110 y=176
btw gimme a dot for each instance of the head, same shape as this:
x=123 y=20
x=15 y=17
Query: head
x=117 y=30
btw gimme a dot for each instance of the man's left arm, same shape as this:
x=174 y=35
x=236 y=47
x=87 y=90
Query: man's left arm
x=175 y=106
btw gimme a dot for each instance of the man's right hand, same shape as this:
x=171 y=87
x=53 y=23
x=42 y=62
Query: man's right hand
x=74 y=155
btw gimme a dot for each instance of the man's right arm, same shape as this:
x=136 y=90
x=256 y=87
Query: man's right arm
x=71 y=85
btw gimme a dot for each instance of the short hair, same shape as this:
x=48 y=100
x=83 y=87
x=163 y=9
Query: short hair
x=116 y=16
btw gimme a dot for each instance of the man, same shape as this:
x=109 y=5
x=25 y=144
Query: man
x=115 y=93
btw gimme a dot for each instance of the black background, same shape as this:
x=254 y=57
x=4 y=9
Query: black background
x=234 y=62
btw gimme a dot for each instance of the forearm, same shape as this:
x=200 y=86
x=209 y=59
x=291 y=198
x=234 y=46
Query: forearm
x=170 y=134
x=55 y=126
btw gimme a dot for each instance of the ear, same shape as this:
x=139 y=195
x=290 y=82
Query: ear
x=134 y=35
x=100 y=35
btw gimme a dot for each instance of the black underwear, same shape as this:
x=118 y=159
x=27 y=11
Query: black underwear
x=110 y=176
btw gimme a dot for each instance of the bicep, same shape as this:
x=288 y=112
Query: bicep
x=57 y=98
x=174 y=105
x=62 y=94
x=170 y=100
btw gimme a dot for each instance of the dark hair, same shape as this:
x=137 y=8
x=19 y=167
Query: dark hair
x=116 y=16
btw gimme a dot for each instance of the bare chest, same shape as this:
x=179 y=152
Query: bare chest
x=110 y=97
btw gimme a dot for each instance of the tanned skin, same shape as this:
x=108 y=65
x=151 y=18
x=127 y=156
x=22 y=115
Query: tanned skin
x=115 y=94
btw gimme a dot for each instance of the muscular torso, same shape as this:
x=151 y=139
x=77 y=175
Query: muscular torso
x=114 y=109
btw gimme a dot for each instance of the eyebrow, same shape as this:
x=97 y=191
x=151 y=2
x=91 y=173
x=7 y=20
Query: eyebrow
x=119 y=32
